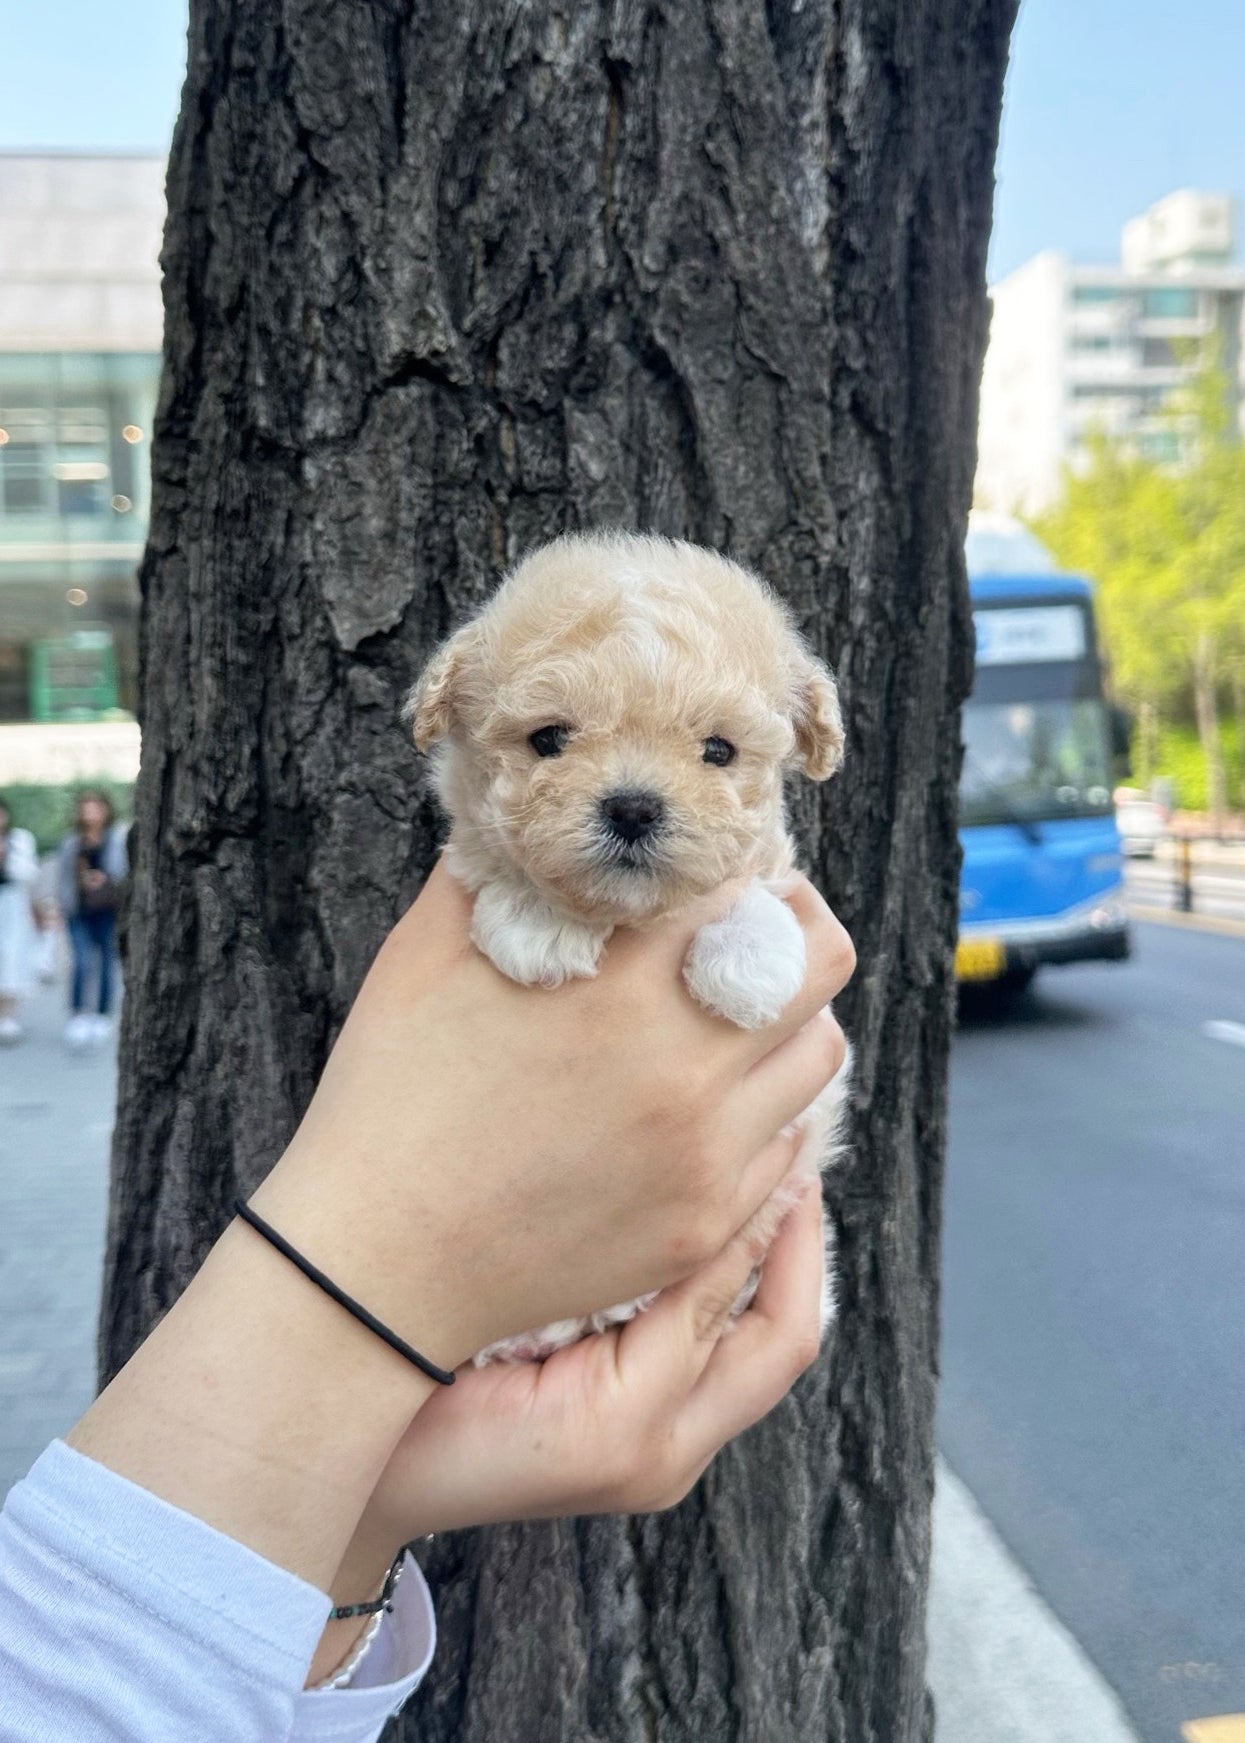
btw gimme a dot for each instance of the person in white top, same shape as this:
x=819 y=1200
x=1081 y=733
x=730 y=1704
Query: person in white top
x=19 y=866
x=479 y=1157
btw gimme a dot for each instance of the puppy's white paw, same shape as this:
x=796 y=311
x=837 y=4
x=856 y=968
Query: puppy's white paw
x=748 y=965
x=530 y=943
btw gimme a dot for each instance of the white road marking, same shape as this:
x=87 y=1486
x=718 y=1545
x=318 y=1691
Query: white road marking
x=1224 y=1030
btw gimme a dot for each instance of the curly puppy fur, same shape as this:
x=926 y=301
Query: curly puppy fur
x=610 y=737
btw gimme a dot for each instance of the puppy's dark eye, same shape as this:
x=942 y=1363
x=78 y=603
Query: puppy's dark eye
x=549 y=741
x=719 y=751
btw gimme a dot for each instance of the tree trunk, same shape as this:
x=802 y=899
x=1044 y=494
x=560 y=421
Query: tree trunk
x=1238 y=710
x=440 y=283
x=1206 y=706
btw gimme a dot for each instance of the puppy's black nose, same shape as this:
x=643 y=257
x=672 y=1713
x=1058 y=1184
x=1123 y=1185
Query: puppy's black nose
x=632 y=816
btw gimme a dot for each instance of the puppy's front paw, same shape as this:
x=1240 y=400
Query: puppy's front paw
x=748 y=965
x=523 y=937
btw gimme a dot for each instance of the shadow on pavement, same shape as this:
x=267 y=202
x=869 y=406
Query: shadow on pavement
x=994 y=1007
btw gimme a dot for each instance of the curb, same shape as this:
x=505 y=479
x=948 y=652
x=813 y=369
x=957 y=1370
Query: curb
x=1002 y=1668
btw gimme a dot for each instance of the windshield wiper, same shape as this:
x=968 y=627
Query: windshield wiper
x=1026 y=825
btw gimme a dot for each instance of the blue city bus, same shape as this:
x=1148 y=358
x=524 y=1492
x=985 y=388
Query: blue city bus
x=1042 y=880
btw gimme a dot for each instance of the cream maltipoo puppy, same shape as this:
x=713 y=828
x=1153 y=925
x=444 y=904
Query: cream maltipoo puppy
x=609 y=738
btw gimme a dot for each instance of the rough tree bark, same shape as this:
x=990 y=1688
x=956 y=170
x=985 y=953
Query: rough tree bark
x=440 y=282
x=1206 y=709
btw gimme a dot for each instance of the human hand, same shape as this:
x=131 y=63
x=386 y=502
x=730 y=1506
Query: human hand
x=622 y=1422
x=93 y=880
x=482 y=1157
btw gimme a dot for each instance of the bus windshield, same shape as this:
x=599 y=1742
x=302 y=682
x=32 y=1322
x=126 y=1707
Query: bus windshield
x=1034 y=760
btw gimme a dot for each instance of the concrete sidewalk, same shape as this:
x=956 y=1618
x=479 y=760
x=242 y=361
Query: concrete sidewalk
x=56 y=1110
x=1002 y=1667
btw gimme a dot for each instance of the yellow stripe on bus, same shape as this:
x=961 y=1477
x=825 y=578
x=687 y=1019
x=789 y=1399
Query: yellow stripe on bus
x=1230 y=1728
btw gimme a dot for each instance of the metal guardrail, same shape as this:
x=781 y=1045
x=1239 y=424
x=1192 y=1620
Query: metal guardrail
x=1192 y=874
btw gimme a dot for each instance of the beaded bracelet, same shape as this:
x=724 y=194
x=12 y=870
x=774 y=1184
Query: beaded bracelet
x=377 y=1609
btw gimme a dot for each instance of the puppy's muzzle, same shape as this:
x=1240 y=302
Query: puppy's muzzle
x=632 y=817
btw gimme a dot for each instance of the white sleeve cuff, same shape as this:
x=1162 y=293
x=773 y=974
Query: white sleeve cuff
x=124 y=1616
x=391 y=1669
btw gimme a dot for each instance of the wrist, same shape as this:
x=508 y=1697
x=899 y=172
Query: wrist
x=349 y=1227
x=261 y=1407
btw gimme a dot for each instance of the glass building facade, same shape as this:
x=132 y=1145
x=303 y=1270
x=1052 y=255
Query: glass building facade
x=75 y=436
x=80 y=329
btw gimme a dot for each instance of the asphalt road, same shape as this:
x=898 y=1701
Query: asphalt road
x=1093 y=1392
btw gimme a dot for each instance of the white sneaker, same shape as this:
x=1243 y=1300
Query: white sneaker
x=78 y=1030
x=11 y=1031
x=101 y=1028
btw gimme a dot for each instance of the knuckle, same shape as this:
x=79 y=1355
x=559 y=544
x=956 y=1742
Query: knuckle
x=710 y=1314
x=621 y=1472
x=649 y=1465
x=694 y=1239
x=832 y=956
x=835 y=1046
x=667 y=1484
x=804 y=1351
x=827 y=1047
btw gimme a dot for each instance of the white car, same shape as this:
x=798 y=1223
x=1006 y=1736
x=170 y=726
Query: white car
x=1142 y=822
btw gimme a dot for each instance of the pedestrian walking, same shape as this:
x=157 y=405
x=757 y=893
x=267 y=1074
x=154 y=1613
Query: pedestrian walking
x=92 y=867
x=19 y=865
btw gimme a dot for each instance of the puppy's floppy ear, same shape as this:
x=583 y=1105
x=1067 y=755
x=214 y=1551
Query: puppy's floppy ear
x=430 y=708
x=816 y=718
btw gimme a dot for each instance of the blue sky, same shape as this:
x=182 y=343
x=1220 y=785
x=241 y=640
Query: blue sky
x=1110 y=103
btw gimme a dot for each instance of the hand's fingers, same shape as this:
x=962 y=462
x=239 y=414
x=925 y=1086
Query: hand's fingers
x=769 y=1347
x=668 y=1347
x=787 y=1080
x=788 y=1295
x=766 y=1171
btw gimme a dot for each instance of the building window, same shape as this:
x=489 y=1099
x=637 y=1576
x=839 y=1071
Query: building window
x=1161 y=446
x=1169 y=303
x=74 y=480
x=1093 y=342
x=1158 y=354
x=25 y=485
x=1095 y=293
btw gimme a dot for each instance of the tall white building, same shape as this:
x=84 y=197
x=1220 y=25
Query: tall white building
x=1078 y=348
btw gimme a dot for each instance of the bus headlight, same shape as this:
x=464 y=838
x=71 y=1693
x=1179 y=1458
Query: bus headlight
x=1108 y=917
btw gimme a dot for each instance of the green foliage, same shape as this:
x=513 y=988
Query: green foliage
x=1166 y=546
x=1180 y=761
x=48 y=811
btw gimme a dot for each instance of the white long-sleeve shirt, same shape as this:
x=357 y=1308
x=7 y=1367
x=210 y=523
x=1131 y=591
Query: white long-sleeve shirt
x=125 y=1620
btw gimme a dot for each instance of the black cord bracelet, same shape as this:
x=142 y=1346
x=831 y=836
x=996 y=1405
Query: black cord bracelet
x=316 y=1276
